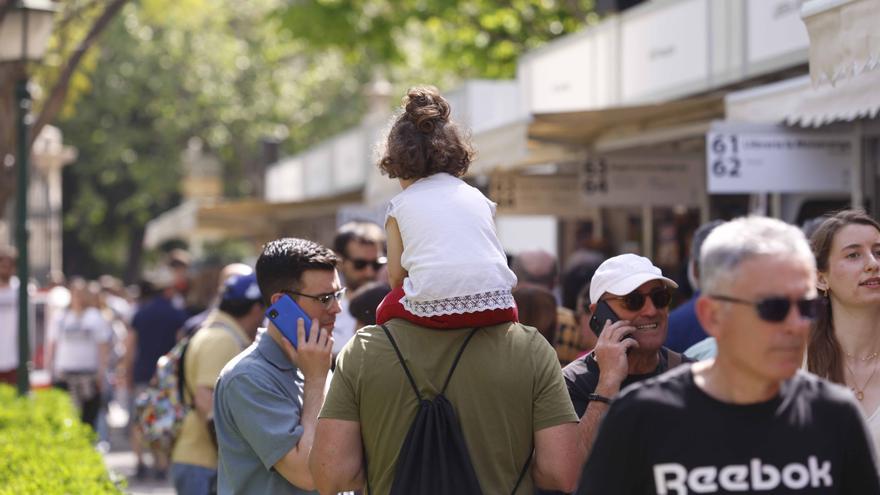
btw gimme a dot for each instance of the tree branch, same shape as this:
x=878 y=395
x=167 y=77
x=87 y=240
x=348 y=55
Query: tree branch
x=75 y=12
x=56 y=97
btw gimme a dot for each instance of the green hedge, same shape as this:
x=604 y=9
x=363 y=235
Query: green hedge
x=45 y=449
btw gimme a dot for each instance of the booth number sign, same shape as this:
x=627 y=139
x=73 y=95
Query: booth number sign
x=725 y=160
x=778 y=160
x=594 y=178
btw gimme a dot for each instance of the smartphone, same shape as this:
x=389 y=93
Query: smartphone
x=284 y=314
x=603 y=312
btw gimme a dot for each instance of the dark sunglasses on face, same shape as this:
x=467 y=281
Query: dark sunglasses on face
x=775 y=309
x=635 y=300
x=360 y=264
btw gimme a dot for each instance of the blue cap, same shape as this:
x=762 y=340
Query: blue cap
x=241 y=288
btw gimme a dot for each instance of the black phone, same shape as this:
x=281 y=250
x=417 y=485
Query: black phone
x=603 y=312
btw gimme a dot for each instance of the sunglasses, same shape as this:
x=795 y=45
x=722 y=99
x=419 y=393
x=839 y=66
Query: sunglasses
x=360 y=264
x=775 y=309
x=635 y=300
x=326 y=300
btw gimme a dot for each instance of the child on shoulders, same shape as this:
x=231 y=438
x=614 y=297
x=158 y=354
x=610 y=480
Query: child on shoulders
x=446 y=266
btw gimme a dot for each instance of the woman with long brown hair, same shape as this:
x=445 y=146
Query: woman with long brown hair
x=845 y=339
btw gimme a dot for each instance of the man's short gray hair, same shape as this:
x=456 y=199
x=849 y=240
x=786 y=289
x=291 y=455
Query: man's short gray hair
x=736 y=241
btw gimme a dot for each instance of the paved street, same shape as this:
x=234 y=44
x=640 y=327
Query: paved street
x=121 y=460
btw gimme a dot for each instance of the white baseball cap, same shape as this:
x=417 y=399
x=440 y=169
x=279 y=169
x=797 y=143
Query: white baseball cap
x=623 y=274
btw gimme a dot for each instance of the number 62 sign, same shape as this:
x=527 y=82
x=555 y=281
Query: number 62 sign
x=743 y=159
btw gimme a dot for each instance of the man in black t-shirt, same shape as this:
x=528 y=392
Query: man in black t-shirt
x=748 y=421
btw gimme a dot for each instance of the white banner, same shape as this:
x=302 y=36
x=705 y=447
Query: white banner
x=664 y=49
x=562 y=76
x=775 y=28
x=742 y=160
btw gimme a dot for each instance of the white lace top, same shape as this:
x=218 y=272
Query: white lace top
x=451 y=252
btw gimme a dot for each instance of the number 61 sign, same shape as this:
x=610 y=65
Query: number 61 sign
x=741 y=159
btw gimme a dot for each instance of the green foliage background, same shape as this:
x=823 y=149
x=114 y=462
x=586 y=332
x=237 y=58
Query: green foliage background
x=45 y=449
x=232 y=73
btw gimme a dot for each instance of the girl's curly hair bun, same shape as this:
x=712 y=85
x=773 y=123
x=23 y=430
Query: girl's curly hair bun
x=425 y=108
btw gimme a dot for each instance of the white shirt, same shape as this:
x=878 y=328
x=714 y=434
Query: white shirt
x=78 y=338
x=9 y=326
x=451 y=252
x=343 y=329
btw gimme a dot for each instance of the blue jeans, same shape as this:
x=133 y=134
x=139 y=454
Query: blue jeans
x=193 y=480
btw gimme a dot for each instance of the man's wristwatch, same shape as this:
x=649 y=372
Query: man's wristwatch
x=598 y=398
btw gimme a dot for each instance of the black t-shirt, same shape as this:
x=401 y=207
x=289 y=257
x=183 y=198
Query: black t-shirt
x=667 y=436
x=582 y=376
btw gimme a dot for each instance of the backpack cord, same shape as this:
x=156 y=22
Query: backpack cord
x=522 y=473
x=406 y=369
x=400 y=358
x=457 y=357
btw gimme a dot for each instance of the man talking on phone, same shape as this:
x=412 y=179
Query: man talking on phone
x=630 y=289
x=267 y=399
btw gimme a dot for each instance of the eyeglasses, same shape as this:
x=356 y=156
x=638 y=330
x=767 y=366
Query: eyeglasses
x=326 y=300
x=360 y=264
x=635 y=300
x=775 y=309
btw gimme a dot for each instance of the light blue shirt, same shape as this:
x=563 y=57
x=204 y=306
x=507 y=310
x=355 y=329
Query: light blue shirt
x=704 y=349
x=257 y=409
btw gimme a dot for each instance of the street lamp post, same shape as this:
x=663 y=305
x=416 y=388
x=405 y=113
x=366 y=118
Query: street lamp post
x=17 y=32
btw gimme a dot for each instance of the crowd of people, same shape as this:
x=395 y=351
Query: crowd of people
x=436 y=364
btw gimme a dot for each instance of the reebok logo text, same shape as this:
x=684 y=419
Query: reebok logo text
x=675 y=479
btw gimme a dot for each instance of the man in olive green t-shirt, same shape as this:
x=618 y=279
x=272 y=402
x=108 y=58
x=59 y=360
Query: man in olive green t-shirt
x=507 y=391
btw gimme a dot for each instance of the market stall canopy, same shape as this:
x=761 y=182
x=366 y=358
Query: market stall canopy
x=585 y=127
x=844 y=37
x=245 y=218
x=509 y=147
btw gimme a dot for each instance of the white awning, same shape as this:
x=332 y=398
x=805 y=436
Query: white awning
x=844 y=37
x=509 y=147
x=853 y=98
x=172 y=224
x=797 y=102
x=236 y=219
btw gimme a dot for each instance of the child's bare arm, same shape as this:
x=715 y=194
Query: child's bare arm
x=396 y=273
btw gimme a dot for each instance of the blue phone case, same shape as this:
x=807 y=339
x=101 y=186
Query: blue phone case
x=284 y=314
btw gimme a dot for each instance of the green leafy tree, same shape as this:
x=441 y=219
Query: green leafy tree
x=469 y=38
x=219 y=70
x=232 y=73
x=78 y=26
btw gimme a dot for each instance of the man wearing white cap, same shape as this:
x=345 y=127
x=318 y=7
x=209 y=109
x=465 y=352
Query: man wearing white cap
x=630 y=349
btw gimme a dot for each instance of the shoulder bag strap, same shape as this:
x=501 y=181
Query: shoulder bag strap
x=181 y=375
x=232 y=331
x=402 y=363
